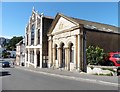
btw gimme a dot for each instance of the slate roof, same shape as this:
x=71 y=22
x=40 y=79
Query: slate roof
x=87 y=24
x=95 y=25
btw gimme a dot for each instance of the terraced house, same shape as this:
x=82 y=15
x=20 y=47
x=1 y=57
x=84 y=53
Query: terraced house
x=69 y=37
x=36 y=44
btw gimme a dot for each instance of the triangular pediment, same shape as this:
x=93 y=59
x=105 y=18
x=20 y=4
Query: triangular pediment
x=62 y=24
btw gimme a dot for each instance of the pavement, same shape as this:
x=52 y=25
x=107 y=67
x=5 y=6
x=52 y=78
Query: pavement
x=107 y=80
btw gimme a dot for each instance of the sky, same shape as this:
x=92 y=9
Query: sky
x=15 y=15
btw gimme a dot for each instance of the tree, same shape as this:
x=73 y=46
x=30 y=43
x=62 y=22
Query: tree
x=95 y=55
x=5 y=54
x=12 y=43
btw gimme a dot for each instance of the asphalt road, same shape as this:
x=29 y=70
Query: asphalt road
x=17 y=79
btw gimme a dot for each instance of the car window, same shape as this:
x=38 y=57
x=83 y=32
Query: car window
x=116 y=55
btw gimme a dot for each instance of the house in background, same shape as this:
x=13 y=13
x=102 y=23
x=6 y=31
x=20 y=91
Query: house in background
x=12 y=54
x=20 y=52
x=1 y=50
x=36 y=40
x=69 y=37
x=3 y=41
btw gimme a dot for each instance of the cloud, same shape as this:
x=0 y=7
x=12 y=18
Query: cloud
x=9 y=37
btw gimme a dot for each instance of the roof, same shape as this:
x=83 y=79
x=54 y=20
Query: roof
x=20 y=42
x=48 y=17
x=96 y=25
x=86 y=24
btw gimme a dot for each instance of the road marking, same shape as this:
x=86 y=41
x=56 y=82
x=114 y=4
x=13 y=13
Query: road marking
x=74 y=78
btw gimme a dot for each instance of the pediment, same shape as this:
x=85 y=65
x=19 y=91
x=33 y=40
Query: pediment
x=62 y=24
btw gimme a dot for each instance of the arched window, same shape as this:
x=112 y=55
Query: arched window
x=27 y=56
x=38 y=36
x=33 y=56
x=27 y=38
x=62 y=55
x=56 y=53
x=71 y=53
x=32 y=34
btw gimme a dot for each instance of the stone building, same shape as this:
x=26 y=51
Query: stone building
x=20 y=52
x=69 y=37
x=36 y=47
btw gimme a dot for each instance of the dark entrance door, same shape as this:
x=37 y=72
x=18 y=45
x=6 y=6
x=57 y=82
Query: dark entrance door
x=38 y=59
x=62 y=56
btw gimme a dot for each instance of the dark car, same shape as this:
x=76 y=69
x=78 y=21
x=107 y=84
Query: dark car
x=5 y=64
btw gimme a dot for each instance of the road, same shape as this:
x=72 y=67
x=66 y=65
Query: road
x=17 y=79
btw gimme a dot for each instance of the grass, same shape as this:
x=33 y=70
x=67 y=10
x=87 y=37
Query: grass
x=110 y=69
x=110 y=74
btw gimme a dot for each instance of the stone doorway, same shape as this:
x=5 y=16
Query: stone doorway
x=38 y=58
x=62 y=56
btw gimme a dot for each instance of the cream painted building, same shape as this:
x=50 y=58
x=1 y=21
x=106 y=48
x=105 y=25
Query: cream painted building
x=67 y=41
x=36 y=44
x=20 y=52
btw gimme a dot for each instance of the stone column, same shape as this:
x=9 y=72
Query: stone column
x=36 y=34
x=59 y=57
x=35 y=58
x=40 y=57
x=50 y=52
x=35 y=37
x=79 y=64
x=29 y=36
x=75 y=50
x=66 y=58
x=53 y=58
x=41 y=28
x=28 y=57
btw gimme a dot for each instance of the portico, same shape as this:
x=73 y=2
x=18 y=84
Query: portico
x=69 y=37
x=66 y=44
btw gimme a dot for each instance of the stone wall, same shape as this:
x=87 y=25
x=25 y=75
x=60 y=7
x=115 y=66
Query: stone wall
x=102 y=70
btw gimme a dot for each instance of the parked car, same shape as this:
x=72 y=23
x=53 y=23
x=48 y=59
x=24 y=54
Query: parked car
x=5 y=64
x=114 y=59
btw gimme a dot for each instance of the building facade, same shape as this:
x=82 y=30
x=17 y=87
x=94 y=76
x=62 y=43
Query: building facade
x=36 y=43
x=20 y=53
x=69 y=37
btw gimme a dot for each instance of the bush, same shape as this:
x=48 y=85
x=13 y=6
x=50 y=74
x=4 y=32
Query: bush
x=95 y=55
x=5 y=54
